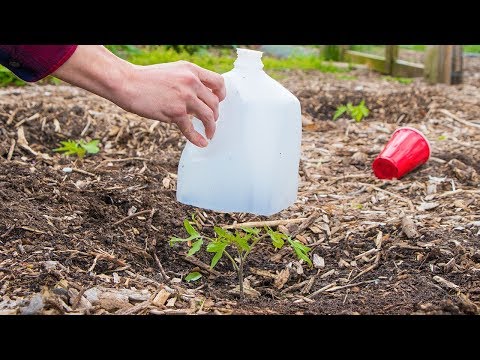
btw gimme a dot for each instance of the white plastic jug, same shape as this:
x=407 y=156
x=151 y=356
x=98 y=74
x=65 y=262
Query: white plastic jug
x=251 y=164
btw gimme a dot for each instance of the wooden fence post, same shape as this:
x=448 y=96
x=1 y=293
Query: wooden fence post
x=443 y=64
x=391 y=55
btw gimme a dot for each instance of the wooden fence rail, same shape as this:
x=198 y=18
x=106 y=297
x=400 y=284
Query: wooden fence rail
x=443 y=63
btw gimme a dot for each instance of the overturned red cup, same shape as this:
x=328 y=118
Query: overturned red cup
x=406 y=150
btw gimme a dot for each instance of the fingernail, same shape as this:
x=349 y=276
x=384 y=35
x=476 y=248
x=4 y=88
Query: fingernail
x=203 y=142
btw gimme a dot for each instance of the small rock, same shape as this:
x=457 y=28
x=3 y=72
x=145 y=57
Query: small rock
x=318 y=261
x=166 y=182
x=409 y=227
x=34 y=307
x=116 y=278
x=359 y=158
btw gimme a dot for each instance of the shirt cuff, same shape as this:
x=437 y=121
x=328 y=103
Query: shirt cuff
x=34 y=62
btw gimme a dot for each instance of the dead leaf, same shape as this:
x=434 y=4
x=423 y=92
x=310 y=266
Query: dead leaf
x=281 y=278
x=318 y=261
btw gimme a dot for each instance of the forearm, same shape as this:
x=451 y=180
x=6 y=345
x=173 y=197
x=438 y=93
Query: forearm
x=96 y=69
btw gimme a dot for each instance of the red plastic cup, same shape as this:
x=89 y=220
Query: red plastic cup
x=406 y=150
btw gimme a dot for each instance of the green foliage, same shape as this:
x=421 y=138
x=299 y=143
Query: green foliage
x=301 y=250
x=221 y=60
x=78 y=147
x=357 y=112
x=8 y=78
x=345 y=77
x=400 y=80
x=331 y=52
x=242 y=241
x=193 y=276
x=124 y=51
x=471 y=48
x=191 y=49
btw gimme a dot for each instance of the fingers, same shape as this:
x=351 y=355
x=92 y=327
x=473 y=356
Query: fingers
x=186 y=127
x=213 y=80
x=205 y=114
x=210 y=99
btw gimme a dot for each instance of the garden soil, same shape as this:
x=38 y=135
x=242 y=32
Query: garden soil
x=90 y=236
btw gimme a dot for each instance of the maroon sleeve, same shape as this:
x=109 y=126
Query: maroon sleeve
x=34 y=62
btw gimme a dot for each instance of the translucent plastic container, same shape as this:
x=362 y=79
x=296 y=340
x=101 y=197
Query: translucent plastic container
x=251 y=164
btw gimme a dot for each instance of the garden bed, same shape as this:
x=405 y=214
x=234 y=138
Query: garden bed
x=68 y=244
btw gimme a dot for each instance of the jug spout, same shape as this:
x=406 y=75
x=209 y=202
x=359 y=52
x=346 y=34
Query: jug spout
x=248 y=59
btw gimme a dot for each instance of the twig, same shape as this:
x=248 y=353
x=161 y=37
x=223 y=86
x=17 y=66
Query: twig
x=83 y=172
x=143 y=212
x=134 y=309
x=33 y=117
x=378 y=243
x=295 y=286
x=350 y=285
x=454 y=117
x=365 y=253
x=94 y=263
x=85 y=129
x=347 y=176
x=126 y=159
x=264 y=223
x=323 y=289
x=10 y=152
x=162 y=271
x=304 y=225
x=458 y=191
x=32 y=230
x=77 y=299
x=408 y=201
x=22 y=141
x=193 y=260
x=8 y=231
x=12 y=116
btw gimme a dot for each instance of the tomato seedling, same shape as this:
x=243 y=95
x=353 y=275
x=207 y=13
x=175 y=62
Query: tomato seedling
x=242 y=242
x=78 y=147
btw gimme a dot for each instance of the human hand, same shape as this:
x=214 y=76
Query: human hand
x=171 y=92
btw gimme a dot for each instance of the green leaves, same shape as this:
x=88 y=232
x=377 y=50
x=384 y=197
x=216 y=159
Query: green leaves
x=300 y=250
x=218 y=248
x=193 y=276
x=190 y=230
x=241 y=240
x=78 y=147
x=278 y=239
x=357 y=112
x=340 y=111
x=196 y=246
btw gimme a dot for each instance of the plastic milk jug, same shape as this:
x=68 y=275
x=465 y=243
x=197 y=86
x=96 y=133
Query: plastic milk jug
x=251 y=164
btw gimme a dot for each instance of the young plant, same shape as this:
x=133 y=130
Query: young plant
x=357 y=112
x=241 y=242
x=78 y=147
